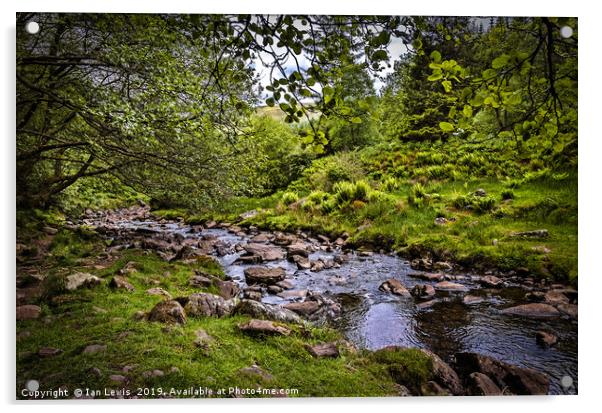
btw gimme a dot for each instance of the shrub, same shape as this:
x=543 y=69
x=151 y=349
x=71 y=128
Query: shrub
x=289 y=197
x=507 y=194
x=390 y=184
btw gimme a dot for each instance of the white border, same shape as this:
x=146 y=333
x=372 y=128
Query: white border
x=590 y=228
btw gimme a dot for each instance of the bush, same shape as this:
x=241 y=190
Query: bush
x=390 y=184
x=289 y=197
x=507 y=194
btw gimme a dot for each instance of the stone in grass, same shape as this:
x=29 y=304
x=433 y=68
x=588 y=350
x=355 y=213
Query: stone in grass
x=121 y=283
x=94 y=348
x=117 y=378
x=203 y=340
x=153 y=373
x=257 y=372
x=169 y=311
x=81 y=280
x=28 y=312
x=159 y=291
x=267 y=327
x=46 y=352
x=323 y=350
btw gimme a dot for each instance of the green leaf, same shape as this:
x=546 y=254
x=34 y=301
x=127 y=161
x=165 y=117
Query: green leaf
x=380 y=55
x=500 y=61
x=467 y=111
x=270 y=102
x=435 y=76
x=356 y=119
x=436 y=56
x=447 y=85
x=446 y=126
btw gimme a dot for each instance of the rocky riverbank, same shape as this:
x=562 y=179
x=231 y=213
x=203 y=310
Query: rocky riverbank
x=283 y=284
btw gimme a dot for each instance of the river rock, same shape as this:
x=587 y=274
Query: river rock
x=202 y=280
x=490 y=281
x=395 y=287
x=169 y=311
x=292 y=294
x=120 y=283
x=81 y=280
x=426 y=304
x=423 y=291
x=298 y=248
x=545 y=339
x=227 y=289
x=535 y=310
x=252 y=294
x=428 y=276
x=569 y=310
x=442 y=266
x=535 y=296
x=424 y=264
x=517 y=380
x=303 y=308
x=264 y=275
x=472 y=299
x=444 y=374
x=271 y=312
x=303 y=263
x=323 y=350
x=450 y=286
x=285 y=284
x=255 y=326
x=317 y=266
x=208 y=305
x=261 y=238
x=28 y=312
x=479 y=384
x=274 y=289
x=284 y=239
x=266 y=252
x=554 y=297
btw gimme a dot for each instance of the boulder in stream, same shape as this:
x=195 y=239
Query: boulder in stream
x=518 y=380
x=264 y=275
x=271 y=312
x=395 y=287
x=265 y=252
x=534 y=310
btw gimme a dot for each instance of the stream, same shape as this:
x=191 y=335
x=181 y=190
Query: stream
x=373 y=319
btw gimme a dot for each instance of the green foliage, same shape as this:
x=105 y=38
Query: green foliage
x=289 y=197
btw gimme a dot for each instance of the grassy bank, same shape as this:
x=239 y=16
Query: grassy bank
x=71 y=321
x=464 y=206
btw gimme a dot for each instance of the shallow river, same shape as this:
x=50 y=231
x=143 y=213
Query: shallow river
x=373 y=319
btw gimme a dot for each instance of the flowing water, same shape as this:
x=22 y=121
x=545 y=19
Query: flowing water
x=374 y=319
